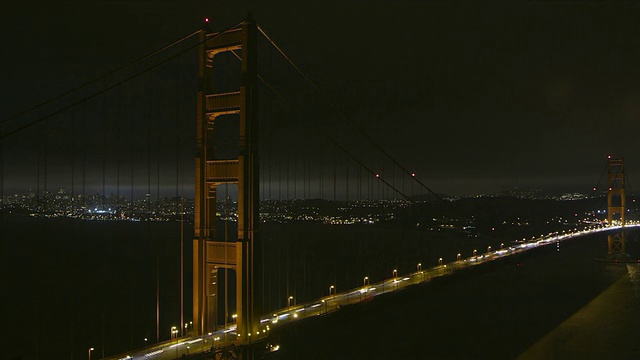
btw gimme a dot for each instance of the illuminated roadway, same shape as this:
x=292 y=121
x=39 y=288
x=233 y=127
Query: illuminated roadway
x=188 y=345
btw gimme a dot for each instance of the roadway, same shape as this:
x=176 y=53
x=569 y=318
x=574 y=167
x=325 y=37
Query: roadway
x=335 y=300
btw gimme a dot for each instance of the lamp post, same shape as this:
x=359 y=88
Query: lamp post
x=419 y=267
x=90 y=350
x=188 y=326
x=290 y=301
x=458 y=257
x=332 y=289
x=145 y=342
x=365 y=282
x=440 y=261
x=489 y=250
x=174 y=333
x=395 y=275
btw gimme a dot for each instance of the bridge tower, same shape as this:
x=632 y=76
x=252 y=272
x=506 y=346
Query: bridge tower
x=616 y=205
x=209 y=253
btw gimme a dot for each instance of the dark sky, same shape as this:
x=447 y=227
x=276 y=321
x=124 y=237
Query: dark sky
x=473 y=97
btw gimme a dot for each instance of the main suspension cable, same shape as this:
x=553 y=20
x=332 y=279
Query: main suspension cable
x=103 y=77
x=333 y=107
x=125 y=80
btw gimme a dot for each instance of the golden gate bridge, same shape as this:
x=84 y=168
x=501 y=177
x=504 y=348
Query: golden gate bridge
x=262 y=139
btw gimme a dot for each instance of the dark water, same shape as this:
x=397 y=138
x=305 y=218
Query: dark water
x=69 y=285
x=496 y=311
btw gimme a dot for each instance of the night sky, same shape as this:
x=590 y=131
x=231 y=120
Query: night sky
x=472 y=97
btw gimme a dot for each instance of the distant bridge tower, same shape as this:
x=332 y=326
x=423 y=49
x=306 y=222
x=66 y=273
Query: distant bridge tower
x=616 y=205
x=209 y=253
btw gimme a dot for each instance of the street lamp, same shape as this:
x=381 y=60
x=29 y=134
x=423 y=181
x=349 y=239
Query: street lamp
x=501 y=246
x=174 y=333
x=489 y=248
x=365 y=282
x=419 y=267
x=332 y=288
x=290 y=300
x=395 y=275
x=440 y=261
x=145 y=342
x=90 y=350
x=475 y=252
x=458 y=257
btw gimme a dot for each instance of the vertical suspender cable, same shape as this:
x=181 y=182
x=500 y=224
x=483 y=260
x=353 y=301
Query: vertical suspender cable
x=180 y=195
x=378 y=188
x=159 y=142
x=148 y=199
x=226 y=270
x=148 y=196
x=393 y=178
x=334 y=176
x=132 y=152
x=347 y=180
x=305 y=168
x=403 y=178
x=104 y=151
x=295 y=172
x=359 y=189
x=280 y=178
x=269 y=153
x=370 y=187
x=2 y=178
x=321 y=187
x=73 y=163
x=84 y=155
x=38 y=151
x=104 y=129
x=348 y=185
x=45 y=126
x=118 y=153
